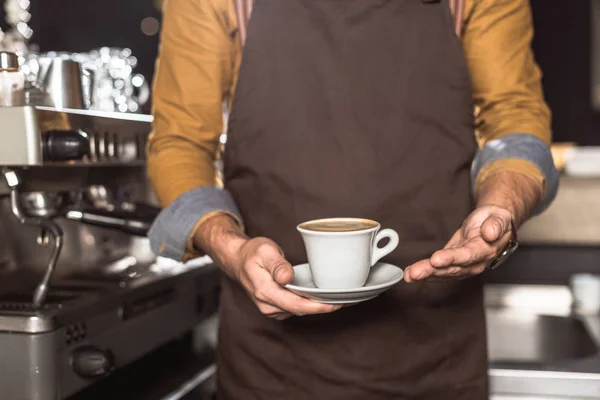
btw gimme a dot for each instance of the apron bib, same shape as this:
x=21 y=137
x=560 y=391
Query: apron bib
x=359 y=108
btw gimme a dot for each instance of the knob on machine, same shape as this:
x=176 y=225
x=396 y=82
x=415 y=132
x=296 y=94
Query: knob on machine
x=90 y=362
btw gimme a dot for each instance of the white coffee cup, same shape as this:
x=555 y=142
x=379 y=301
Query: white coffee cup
x=341 y=251
x=586 y=293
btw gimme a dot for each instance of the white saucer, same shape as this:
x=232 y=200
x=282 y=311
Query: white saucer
x=381 y=278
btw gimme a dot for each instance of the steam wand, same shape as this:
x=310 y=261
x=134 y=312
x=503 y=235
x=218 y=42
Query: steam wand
x=47 y=226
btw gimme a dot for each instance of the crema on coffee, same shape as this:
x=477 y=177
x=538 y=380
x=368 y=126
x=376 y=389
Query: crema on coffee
x=339 y=225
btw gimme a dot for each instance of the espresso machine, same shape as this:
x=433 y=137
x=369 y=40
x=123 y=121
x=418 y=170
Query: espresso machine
x=81 y=294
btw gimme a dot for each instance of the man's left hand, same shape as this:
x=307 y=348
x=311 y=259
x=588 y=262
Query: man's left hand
x=471 y=249
x=505 y=201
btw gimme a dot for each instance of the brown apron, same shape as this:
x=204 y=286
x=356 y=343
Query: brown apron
x=357 y=108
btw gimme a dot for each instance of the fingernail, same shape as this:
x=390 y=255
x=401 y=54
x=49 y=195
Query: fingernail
x=276 y=274
x=498 y=231
x=419 y=276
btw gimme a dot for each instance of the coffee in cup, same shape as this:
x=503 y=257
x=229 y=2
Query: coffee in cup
x=338 y=225
x=341 y=251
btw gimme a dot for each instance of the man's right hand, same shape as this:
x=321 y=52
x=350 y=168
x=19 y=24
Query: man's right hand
x=258 y=265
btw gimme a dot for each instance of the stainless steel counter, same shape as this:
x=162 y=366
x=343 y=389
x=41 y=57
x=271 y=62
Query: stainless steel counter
x=539 y=348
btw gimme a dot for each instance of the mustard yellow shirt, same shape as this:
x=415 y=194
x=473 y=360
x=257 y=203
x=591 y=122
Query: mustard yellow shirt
x=200 y=56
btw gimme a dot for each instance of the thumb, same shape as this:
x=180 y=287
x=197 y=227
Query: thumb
x=493 y=228
x=279 y=268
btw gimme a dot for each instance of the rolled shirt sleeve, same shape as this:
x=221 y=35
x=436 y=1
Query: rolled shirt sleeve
x=195 y=76
x=512 y=118
x=523 y=153
x=175 y=225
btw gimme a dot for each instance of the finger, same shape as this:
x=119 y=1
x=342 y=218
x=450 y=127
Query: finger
x=269 y=309
x=456 y=272
x=282 y=316
x=418 y=271
x=472 y=252
x=297 y=305
x=271 y=260
x=493 y=228
x=266 y=290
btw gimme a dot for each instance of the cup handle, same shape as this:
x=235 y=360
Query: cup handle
x=378 y=253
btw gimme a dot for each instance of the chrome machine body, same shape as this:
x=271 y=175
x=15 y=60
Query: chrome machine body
x=81 y=294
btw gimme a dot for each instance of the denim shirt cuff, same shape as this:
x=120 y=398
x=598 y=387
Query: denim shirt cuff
x=170 y=231
x=526 y=147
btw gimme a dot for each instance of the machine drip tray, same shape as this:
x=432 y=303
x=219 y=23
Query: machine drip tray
x=79 y=288
x=16 y=291
x=22 y=301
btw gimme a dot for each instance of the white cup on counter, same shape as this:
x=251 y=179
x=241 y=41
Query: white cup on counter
x=586 y=293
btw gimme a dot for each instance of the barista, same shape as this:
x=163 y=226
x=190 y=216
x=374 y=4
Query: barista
x=350 y=108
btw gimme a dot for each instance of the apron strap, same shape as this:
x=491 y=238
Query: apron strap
x=458 y=12
x=243 y=10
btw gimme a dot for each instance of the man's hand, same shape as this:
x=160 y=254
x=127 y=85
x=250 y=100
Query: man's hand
x=478 y=241
x=502 y=198
x=258 y=265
